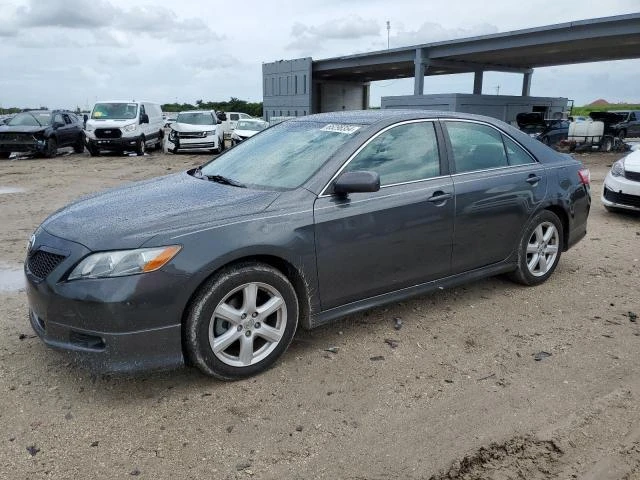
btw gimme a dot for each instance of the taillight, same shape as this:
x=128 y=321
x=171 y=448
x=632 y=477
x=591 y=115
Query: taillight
x=585 y=176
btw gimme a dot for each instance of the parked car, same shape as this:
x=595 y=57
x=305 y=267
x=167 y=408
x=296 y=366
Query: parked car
x=246 y=129
x=620 y=123
x=548 y=131
x=124 y=126
x=196 y=129
x=169 y=120
x=230 y=119
x=313 y=219
x=41 y=132
x=621 y=188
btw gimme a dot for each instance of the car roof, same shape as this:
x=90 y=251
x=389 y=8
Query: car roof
x=197 y=111
x=370 y=117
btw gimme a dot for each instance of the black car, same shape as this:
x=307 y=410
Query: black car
x=41 y=132
x=305 y=222
x=548 y=131
x=619 y=123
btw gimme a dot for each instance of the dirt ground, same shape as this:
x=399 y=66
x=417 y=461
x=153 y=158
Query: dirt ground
x=461 y=396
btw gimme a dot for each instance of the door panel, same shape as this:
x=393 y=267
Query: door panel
x=491 y=209
x=373 y=243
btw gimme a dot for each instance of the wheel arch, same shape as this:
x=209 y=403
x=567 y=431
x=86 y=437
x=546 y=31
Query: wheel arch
x=293 y=274
x=564 y=219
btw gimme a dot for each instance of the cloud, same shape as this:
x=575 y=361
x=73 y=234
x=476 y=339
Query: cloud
x=352 y=27
x=157 y=22
x=67 y=13
x=222 y=62
x=120 y=60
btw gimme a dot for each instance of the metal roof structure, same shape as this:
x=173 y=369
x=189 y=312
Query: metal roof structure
x=518 y=51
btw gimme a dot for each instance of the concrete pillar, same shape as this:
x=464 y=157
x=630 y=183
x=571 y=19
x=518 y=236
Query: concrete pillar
x=418 y=80
x=526 y=84
x=477 y=82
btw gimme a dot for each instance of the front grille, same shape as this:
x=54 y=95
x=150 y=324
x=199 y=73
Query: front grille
x=622 y=198
x=42 y=263
x=192 y=134
x=635 y=176
x=108 y=133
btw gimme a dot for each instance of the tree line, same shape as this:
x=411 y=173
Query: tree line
x=233 y=105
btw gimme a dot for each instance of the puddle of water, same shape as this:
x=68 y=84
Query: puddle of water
x=11 y=190
x=11 y=280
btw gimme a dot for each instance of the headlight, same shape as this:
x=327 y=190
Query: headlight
x=120 y=263
x=89 y=128
x=173 y=134
x=617 y=169
x=129 y=128
x=209 y=132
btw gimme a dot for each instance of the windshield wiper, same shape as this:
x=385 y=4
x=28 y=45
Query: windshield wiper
x=225 y=180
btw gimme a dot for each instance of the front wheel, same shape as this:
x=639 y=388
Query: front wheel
x=539 y=249
x=242 y=321
x=78 y=147
x=141 y=146
x=52 y=148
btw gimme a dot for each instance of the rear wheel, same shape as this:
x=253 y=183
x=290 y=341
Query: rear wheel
x=539 y=249
x=242 y=320
x=51 y=148
x=141 y=146
x=78 y=147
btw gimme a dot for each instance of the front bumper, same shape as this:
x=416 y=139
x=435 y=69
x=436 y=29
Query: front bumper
x=32 y=145
x=620 y=192
x=192 y=142
x=110 y=325
x=123 y=143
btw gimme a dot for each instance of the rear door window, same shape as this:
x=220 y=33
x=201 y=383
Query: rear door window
x=515 y=153
x=476 y=146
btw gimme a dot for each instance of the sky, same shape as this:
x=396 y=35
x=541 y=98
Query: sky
x=71 y=53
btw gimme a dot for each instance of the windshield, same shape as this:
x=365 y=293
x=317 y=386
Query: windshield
x=284 y=156
x=30 y=119
x=114 y=111
x=196 y=118
x=253 y=126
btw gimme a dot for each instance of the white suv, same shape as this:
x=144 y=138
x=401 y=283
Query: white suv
x=196 y=129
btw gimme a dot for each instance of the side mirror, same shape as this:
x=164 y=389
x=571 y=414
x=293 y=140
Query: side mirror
x=356 y=182
x=144 y=118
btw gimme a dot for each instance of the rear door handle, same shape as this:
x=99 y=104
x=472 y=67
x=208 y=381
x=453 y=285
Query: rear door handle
x=533 y=179
x=439 y=197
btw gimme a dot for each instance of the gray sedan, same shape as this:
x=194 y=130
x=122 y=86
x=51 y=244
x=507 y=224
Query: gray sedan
x=310 y=220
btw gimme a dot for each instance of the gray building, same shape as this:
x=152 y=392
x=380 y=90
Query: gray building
x=303 y=86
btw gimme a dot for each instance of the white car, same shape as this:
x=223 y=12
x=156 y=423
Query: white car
x=622 y=184
x=196 y=130
x=247 y=128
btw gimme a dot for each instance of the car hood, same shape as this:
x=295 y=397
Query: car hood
x=188 y=127
x=245 y=133
x=128 y=216
x=21 y=129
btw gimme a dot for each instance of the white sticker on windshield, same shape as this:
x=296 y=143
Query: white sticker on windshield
x=340 y=128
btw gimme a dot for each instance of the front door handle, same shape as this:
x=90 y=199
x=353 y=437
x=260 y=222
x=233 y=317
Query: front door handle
x=533 y=179
x=439 y=197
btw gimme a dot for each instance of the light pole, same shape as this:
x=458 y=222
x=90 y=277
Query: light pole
x=388 y=29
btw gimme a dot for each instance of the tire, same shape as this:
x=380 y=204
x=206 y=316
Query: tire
x=160 y=141
x=5 y=155
x=607 y=144
x=622 y=134
x=52 y=148
x=93 y=151
x=78 y=147
x=539 y=249
x=141 y=146
x=220 y=148
x=245 y=350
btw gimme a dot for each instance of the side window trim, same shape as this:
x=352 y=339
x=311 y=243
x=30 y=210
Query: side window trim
x=447 y=141
x=434 y=121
